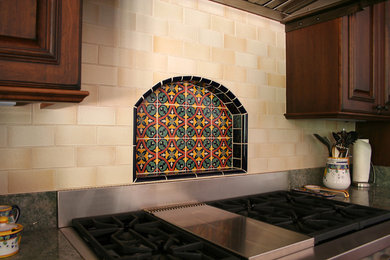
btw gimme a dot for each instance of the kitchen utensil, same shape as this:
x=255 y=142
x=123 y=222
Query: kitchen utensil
x=319 y=188
x=11 y=212
x=335 y=151
x=325 y=141
x=315 y=192
x=344 y=140
x=10 y=235
x=336 y=175
x=351 y=138
x=336 y=137
x=342 y=151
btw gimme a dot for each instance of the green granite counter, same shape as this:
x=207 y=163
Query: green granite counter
x=45 y=244
x=377 y=197
x=40 y=237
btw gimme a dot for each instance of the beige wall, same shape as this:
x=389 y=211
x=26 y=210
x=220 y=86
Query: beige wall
x=130 y=45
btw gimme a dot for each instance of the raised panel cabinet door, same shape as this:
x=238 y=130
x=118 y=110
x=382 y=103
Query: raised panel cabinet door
x=360 y=77
x=40 y=44
x=23 y=11
x=341 y=68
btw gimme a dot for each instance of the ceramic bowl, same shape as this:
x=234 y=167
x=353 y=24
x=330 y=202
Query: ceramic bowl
x=10 y=235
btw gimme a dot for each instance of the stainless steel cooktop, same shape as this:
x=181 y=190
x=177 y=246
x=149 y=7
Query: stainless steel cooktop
x=247 y=237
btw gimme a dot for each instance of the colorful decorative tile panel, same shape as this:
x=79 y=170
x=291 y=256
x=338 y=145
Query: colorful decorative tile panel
x=171 y=121
x=222 y=153
x=222 y=123
x=198 y=122
x=198 y=96
x=146 y=157
x=171 y=94
x=171 y=155
x=184 y=127
x=198 y=154
x=147 y=121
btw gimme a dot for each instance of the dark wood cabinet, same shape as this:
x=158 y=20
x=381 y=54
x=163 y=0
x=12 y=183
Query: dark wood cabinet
x=40 y=50
x=340 y=68
x=378 y=134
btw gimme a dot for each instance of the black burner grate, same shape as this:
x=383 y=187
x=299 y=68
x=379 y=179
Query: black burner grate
x=320 y=218
x=139 y=235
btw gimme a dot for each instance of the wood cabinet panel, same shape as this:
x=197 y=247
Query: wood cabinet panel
x=20 y=41
x=387 y=55
x=40 y=51
x=339 y=68
x=359 y=63
x=378 y=134
x=360 y=45
x=312 y=77
x=23 y=11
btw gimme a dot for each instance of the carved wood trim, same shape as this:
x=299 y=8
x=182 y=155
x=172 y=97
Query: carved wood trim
x=42 y=95
x=37 y=85
x=339 y=115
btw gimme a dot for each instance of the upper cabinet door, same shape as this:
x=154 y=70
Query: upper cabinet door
x=40 y=48
x=364 y=64
x=28 y=30
x=359 y=62
x=340 y=68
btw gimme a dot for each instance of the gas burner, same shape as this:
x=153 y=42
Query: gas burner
x=320 y=218
x=139 y=235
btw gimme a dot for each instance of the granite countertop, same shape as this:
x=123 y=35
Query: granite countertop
x=377 y=197
x=51 y=243
x=45 y=244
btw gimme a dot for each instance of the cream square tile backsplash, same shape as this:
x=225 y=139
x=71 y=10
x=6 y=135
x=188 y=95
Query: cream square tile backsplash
x=128 y=46
x=3 y=136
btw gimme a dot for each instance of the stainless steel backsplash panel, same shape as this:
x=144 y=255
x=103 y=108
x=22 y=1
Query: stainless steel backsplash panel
x=109 y=200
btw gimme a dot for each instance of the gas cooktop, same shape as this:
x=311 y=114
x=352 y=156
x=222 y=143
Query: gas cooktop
x=317 y=217
x=262 y=225
x=139 y=235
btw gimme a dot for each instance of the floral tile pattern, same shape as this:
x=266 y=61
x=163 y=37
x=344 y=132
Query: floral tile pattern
x=171 y=155
x=198 y=154
x=222 y=123
x=171 y=121
x=146 y=157
x=198 y=122
x=171 y=94
x=183 y=127
x=198 y=96
x=146 y=121
x=222 y=153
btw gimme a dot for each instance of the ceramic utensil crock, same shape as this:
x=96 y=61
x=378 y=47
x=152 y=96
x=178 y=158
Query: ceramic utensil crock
x=11 y=212
x=336 y=175
x=10 y=235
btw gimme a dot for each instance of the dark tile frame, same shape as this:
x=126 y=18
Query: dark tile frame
x=240 y=127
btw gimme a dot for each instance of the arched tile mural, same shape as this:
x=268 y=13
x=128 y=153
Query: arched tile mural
x=189 y=127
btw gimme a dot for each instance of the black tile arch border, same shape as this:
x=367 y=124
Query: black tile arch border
x=240 y=131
